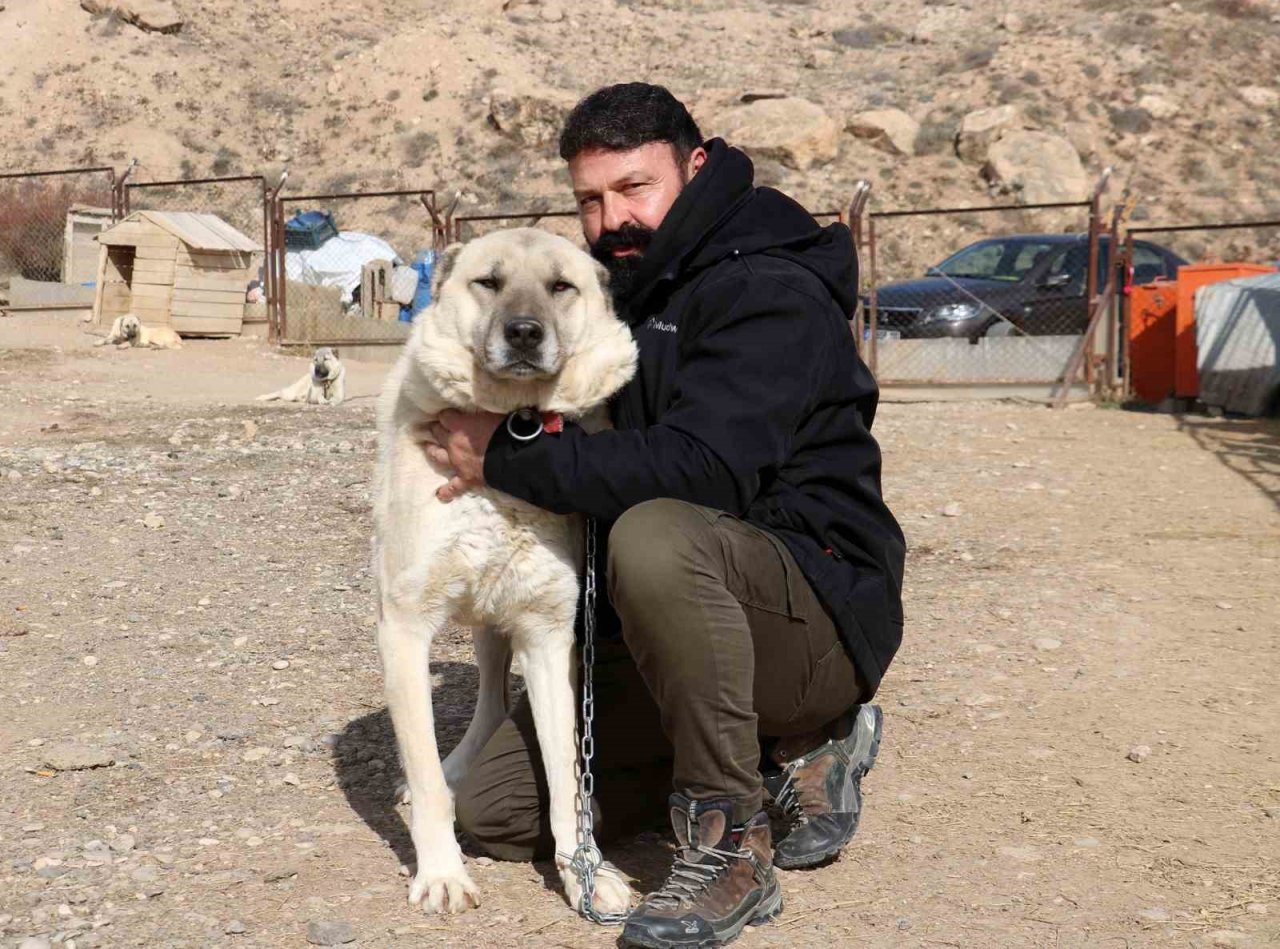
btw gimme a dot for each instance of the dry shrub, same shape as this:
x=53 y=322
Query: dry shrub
x=33 y=218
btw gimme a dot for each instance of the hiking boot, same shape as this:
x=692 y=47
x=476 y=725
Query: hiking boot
x=819 y=789
x=722 y=881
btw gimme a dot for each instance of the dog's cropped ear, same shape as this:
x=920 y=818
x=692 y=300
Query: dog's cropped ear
x=444 y=267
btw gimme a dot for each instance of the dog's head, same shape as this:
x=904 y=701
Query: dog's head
x=325 y=364
x=130 y=326
x=522 y=317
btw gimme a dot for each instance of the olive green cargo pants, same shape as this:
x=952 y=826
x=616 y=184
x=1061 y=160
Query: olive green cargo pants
x=724 y=643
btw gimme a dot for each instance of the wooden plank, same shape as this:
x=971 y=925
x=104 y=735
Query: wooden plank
x=230 y=261
x=153 y=271
x=196 y=308
x=226 y=297
x=200 y=327
x=151 y=291
x=224 y=281
x=99 y=286
x=154 y=252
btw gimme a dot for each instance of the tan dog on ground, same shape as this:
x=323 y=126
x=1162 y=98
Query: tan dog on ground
x=521 y=319
x=325 y=384
x=128 y=331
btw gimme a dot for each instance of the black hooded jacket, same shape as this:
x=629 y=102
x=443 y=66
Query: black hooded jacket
x=749 y=398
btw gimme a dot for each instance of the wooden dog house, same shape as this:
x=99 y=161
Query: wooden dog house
x=175 y=268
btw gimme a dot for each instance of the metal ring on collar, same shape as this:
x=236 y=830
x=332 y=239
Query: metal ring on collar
x=525 y=415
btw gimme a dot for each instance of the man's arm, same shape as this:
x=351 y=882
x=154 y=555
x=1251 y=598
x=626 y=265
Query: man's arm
x=745 y=380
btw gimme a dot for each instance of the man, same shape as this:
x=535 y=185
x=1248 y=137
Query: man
x=753 y=569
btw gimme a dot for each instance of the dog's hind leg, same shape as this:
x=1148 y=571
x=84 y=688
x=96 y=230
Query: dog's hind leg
x=404 y=638
x=493 y=656
x=546 y=658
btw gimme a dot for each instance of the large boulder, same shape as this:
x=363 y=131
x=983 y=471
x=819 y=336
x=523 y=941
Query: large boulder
x=794 y=132
x=981 y=129
x=154 y=16
x=1037 y=167
x=531 y=118
x=890 y=130
x=1260 y=97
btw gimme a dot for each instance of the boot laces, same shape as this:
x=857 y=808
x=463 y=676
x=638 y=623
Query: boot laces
x=690 y=878
x=788 y=797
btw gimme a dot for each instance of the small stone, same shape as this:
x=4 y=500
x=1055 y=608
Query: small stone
x=34 y=942
x=235 y=928
x=483 y=861
x=256 y=754
x=1086 y=841
x=952 y=510
x=1272 y=812
x=239 y=641
x=124 y=843
x=280 y=664
x=1257 y=909
x=1139 y=753
x=329 y=933
x=1047 y=644
x=1260 y=97
x=250 y=429
x=74 y=757
x=203 y=601
x=291 y=779
x=275 y=876
x=1154 y=914
x=153 y=521
x=90 y=661
x=1223 y=605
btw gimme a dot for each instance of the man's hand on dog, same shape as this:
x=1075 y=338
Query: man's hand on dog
x=458 y=440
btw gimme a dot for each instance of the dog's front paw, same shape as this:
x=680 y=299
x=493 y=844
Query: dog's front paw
x=448 y=892
x=612 y=894
x=403 y=794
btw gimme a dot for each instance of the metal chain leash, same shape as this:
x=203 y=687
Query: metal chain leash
x=588 y=859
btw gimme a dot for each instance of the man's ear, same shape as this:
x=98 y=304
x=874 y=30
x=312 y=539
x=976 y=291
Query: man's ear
x=697 y=158
x=443 y=268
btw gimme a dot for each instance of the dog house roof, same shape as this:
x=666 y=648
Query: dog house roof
x=206 y=232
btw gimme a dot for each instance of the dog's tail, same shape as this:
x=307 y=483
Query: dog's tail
x=269 y=397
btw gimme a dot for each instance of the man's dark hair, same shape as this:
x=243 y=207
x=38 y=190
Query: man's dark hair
x=626 y=116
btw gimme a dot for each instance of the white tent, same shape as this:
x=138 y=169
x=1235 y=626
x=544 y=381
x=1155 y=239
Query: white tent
x=1237 y=338
x=338 y=262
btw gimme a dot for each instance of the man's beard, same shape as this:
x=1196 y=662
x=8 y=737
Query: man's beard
x=624 y=272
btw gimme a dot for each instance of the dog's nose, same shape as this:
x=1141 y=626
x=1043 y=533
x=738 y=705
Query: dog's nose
x=523 y=333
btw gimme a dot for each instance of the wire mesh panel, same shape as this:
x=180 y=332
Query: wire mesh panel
x=48 y=222
x=976 y=296
x=357 y=267
x=565 y=223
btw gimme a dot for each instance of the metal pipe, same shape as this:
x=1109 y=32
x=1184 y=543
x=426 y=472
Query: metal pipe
x=1228 y=226
x=926 y=212
x=406 y=193
x=62 y=171
x=194 y=181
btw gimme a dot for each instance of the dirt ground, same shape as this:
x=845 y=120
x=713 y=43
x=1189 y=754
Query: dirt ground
x=185 y=593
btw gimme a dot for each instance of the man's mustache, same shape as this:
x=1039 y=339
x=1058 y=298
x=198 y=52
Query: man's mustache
x=630 y=236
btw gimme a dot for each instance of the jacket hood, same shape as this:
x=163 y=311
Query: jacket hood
x=721 y=214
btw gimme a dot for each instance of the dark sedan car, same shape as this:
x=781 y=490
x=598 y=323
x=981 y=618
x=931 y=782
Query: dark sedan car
x=1031 y=284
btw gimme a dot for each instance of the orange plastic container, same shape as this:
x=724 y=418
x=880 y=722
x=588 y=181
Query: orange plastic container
x=1153 y=309
x=1186 y=378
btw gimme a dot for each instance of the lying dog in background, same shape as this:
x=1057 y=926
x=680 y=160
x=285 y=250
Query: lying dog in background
x=521 y=319
x=325 y=384
x=128 y=330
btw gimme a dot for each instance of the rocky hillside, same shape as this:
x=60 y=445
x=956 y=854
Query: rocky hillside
x=466 y=94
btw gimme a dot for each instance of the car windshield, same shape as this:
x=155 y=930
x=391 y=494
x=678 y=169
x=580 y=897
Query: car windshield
x=1006 y=260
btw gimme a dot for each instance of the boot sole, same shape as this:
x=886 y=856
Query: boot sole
x=828 y=854
x=770 y=907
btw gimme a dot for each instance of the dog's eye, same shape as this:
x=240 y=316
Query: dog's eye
x=562 y=286
x=489 y=283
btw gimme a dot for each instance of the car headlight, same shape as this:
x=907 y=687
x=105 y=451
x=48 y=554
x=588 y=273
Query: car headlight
x=951 y=313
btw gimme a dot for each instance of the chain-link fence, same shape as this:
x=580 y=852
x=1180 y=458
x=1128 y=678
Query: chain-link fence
x=240 y=201
x=356 y=267
x=990 y=295
x=48 y=221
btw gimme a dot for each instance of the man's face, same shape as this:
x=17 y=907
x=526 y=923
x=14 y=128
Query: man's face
x=622 y=198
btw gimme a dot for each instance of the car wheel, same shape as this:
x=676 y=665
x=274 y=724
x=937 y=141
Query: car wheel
x=999 y=329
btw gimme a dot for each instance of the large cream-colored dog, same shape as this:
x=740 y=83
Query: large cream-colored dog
x=128 y=330
x=521 y=319
x=325 y=384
